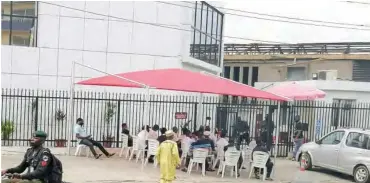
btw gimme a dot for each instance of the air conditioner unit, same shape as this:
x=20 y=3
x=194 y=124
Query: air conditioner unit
x=327 y=75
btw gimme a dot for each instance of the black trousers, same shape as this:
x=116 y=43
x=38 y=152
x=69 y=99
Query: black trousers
x=91 y=143
x=269 y=166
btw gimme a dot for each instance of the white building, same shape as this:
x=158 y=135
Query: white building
x=40 y=40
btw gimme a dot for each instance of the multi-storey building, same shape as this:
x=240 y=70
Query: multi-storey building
x=40 y=40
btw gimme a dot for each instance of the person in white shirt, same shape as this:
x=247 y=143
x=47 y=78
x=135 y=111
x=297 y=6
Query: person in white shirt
x=211 y=136
x=87 y=140
x=222 y=142
x=153 y=132
x=142 y=137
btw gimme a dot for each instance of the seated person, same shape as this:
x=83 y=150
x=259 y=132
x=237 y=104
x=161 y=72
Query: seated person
x=201 y=143
x=127 y=132
x=142 y=137
x=269 y=164
x=187 y=140
x=162 y=137
x=85 y=139
x=207 y=137
x=212 y=136
x=153 y=134
x=222 y=142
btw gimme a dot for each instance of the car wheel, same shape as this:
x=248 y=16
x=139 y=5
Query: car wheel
x=361 y=174
x=305 y=161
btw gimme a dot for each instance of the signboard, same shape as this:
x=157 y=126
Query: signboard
x=181 y=115
x=318 y=128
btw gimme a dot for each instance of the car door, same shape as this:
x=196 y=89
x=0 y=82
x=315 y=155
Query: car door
x=328 y=150
x=352 y=152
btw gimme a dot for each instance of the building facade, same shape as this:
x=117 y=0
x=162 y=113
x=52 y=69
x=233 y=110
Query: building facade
x=295 y=62
x=41 y=39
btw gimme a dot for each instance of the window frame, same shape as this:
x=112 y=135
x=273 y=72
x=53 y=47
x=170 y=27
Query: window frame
x=362 y=134
x=344 y=134
x=208 y=47
x=11 y=16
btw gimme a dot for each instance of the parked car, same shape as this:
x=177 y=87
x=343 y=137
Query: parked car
x=344 y=150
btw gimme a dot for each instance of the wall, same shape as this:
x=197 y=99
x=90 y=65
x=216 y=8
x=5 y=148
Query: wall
x=114 y=45
x=272 y=71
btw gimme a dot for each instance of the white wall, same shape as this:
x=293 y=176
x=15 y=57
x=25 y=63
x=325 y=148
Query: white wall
x=107 y=43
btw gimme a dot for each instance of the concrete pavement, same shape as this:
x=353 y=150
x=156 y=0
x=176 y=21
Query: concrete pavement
x=114 y=170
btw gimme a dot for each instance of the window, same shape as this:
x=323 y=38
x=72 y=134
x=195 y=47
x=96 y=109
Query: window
x=333 y=138
x=358 y=140
x=296 y=73
x=206 y=33
x=341 y=113
x=19 y=21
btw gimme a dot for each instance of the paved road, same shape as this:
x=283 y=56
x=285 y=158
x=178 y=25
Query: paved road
x=115 y=170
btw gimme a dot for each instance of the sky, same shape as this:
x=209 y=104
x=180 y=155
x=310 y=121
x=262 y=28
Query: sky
x=323 y=10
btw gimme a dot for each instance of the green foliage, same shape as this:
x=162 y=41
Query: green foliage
x=110 y=110
x=7 y=128
x=60 y=115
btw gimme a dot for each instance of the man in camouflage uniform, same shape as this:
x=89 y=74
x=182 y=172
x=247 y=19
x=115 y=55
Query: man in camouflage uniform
x=38 y=161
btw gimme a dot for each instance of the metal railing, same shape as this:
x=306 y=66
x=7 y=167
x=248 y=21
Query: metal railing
x=24 y=111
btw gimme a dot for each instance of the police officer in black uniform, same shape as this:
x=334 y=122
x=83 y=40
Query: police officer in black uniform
x=38 y=160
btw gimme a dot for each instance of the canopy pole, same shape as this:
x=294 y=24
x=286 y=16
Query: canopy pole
x=71 y=109
x=276 y=138
x=199 y=111
x=120 y=77
x=147 y=106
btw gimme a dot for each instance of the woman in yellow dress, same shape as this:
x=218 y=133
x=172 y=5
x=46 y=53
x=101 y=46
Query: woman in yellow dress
x=168 y=158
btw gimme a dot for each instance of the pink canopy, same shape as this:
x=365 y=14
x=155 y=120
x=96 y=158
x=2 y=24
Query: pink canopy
x=296 y=91
x=182 y=80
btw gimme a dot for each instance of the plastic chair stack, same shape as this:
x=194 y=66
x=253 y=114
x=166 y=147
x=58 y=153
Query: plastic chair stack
x=246 y=155
x=220 y=156
x=124 y=145
x=136 y=148
x=199 y=156
x=153 y=145
x=185 y=150
x=259 y=161
x=231 y=159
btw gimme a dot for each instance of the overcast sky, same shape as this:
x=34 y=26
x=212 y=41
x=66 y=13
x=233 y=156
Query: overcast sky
x=324 y=10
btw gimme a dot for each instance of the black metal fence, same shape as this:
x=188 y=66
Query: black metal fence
x=24 y=111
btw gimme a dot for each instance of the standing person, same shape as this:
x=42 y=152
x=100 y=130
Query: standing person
x=41 y=164
x=168 y=158
x=298 y=135
x=87 y=140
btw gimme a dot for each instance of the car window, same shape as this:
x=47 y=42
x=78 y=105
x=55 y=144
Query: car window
x=333 y=138
x=358 y=140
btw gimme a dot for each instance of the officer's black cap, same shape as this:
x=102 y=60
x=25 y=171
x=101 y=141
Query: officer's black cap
x=40 y=134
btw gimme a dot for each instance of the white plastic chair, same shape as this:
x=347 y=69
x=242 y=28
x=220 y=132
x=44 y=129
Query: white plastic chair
x=231 y=159
x=185 y=150
x=247 y=161
x=199 y=156
x=220 y=156
x=80 y=147
x=136 y=148
x=153 y=145
x=130 y=149
x=124 y=145
x=259 y=161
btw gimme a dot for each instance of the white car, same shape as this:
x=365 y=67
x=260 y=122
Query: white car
x=344 y=150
